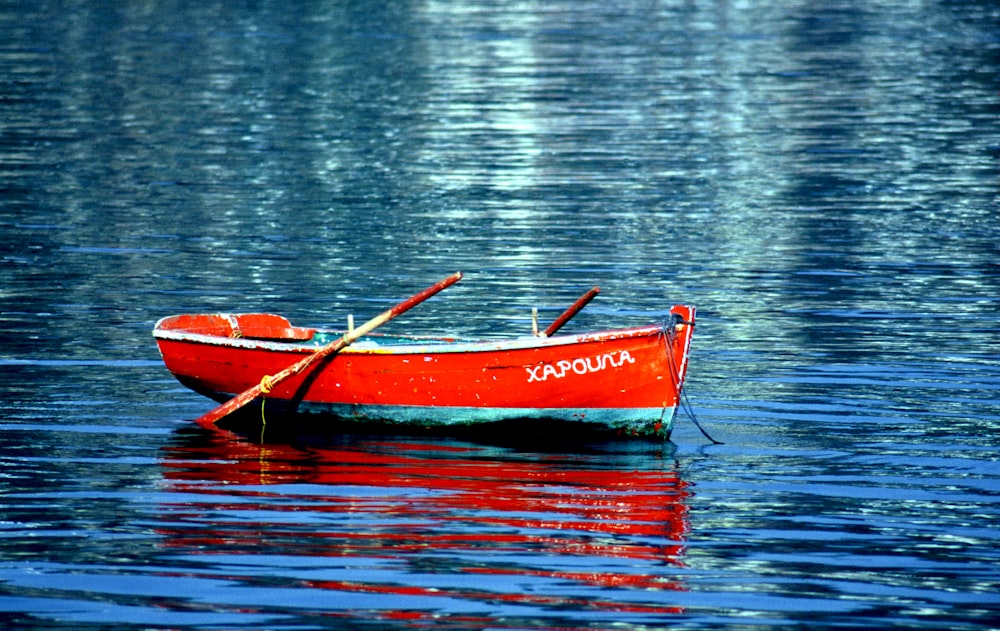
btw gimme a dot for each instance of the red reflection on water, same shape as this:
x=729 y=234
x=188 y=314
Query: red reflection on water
x=600 y=523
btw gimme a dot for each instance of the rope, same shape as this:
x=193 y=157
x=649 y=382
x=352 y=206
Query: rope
x=675 y=375
x=266 y=385
x=263 y=421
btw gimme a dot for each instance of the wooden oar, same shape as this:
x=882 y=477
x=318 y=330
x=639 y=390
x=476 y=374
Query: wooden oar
x=572 y=311
x=269 y=382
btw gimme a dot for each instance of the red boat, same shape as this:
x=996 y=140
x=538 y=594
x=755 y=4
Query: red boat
x=624 y=380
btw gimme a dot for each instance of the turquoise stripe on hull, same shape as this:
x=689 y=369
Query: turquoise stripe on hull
x=652 y=422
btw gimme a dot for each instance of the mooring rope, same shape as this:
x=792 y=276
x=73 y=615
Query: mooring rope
x=266 y=385
x=670 y=333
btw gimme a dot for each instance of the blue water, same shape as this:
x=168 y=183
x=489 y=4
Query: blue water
x=822 y=180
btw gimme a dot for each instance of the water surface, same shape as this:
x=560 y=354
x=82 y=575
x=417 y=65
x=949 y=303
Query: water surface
x=820 y=180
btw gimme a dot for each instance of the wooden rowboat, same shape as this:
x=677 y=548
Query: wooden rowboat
x=624 y=380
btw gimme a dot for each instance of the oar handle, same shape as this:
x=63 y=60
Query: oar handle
x=572 y=311
x=250 y=394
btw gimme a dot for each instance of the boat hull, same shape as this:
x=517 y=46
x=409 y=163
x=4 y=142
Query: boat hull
x=627 y=380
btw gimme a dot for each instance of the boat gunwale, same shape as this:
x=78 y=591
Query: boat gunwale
x=422 y=345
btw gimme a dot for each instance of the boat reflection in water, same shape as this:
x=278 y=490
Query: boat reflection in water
x=409 y=528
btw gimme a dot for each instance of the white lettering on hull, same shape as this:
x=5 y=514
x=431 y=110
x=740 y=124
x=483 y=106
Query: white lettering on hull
x=581 y=366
